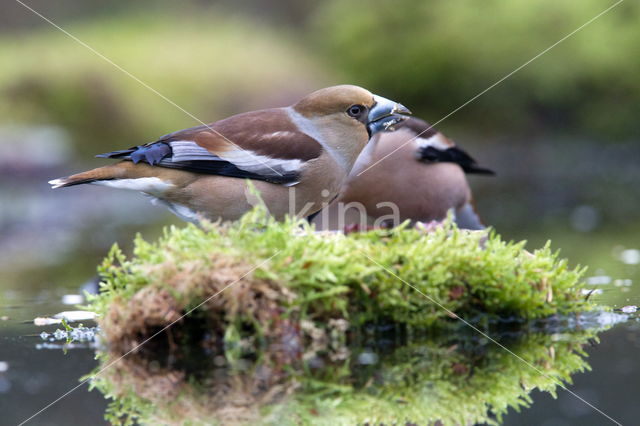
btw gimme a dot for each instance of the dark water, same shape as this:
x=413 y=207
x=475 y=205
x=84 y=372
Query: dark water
x=37 y=374
x=39 y=371
x=45 y=256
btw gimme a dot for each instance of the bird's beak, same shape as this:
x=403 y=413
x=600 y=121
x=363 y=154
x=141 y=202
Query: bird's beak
x=385 y=114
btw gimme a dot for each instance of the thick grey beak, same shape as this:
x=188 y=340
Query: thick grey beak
x=385 y=114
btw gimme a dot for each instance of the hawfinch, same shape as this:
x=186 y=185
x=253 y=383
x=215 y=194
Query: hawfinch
x=414 y=173
x=297 y=157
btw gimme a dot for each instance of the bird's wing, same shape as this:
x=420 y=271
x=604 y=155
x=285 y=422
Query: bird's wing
x=263 y=145
x=433 y=146
x=429 y=153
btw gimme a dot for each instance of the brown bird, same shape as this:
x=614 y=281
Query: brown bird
x=297 y=157
x=414 y=173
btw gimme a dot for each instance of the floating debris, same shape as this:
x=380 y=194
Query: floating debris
x=629 y=309
x=592 y=291
x=4 y=366
x=42 y=321
x=73 y=316
x=68 y=316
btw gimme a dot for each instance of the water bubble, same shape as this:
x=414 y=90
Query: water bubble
x=623 y=282
x=630 y=256
x=584 y=218
x=72 y=299
x=5 y=385
x=599 y=280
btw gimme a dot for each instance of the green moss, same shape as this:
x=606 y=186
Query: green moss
x=360 y=277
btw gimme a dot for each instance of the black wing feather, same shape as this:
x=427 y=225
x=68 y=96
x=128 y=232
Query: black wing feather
x=225 y=168
x=160 y=153
x=452 y=155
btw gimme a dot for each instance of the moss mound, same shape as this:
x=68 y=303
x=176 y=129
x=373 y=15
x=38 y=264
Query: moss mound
x=260 y=276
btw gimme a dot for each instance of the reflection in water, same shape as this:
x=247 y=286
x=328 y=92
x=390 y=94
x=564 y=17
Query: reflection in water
x=381 y=374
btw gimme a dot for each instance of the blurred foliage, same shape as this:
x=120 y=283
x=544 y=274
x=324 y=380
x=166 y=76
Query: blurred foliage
x=212 y=64
x=436 y=55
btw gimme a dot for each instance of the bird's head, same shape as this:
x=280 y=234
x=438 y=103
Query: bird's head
x=348 y=116
x=353 y=106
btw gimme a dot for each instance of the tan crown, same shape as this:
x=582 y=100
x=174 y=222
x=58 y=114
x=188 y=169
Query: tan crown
x=333 y=99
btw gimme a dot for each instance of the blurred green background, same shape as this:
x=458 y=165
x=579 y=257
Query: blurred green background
x=562 y=133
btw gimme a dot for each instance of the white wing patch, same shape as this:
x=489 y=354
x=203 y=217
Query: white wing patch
x=437 y=141
x=248 y=160
x=242 y=158
x=190 y=151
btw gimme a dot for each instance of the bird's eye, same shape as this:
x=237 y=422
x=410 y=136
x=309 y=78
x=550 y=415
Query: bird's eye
x=355 y=110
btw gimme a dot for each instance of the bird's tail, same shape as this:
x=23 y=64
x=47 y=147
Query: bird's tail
x=110 y=172
x=467 y=218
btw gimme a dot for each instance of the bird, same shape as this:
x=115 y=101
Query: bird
x=296 y=157
x=415 y=173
